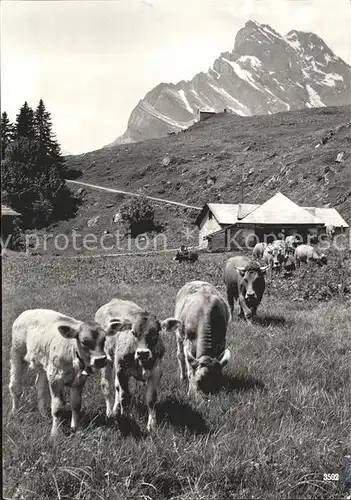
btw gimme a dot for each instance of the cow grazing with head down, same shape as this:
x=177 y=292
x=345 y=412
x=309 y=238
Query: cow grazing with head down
x=258 y=251
x=308 y=254
x=274 y=256
x=62 y=351
x=135 y=351
x=245 y=284
x=201 y=336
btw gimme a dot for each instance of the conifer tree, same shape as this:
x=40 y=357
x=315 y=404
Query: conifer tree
x=32 y=170
x=24 y=127
x=7 y=131
x=49 y=150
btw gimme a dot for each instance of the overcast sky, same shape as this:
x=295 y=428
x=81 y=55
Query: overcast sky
x=91 y=61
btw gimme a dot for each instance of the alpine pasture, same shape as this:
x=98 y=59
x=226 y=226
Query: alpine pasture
x=280 y=422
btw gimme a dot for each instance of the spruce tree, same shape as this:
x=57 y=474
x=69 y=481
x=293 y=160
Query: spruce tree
x=7 y=131
x=49 y=150
x=32 y=171
x=24 y=127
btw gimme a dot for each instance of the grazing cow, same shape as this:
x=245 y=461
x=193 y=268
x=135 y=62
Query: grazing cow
x=307 y=253
x=245 y=284
x=274 y=255
x=330 y=231
x=135 y=351
x=291 y=243
x=62 y=350
x=258 y=251
x=204 y=317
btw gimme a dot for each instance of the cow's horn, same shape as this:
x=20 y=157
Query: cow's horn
x=263 y=268
x=241 y=269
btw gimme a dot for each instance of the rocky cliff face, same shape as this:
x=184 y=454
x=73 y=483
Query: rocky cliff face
x=265 y=73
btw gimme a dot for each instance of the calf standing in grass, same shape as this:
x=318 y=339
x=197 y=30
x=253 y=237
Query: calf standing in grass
x=291 y=242
x=62 y=350
x=307 y=254
x=245 y=284
x=201 y=337
x=274 y=256
x=135 y=351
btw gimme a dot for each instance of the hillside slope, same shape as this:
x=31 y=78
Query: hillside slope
x=264 y=73
x=292 y=152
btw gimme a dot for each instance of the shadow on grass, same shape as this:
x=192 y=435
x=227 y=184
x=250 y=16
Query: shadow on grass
x=180 y=414
x=127 y=426
x=241 y=383
x=270 y=320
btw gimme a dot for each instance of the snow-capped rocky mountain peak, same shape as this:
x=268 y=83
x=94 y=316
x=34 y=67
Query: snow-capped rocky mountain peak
x=265 y=73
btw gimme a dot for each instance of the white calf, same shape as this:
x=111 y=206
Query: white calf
x=62 y=350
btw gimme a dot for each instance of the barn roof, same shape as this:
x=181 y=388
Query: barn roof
x=5 y=210
x=280 y=210
x=329 y=216
x=226 y=213
x=277 y=210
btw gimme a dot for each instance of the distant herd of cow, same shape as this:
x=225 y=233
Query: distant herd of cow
x=287 y=253
x=126 y=341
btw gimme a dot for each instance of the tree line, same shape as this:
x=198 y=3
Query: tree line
x=33 y=168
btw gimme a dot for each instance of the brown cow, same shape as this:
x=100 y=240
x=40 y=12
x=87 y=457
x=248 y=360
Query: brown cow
x=245 y=284
x=274 y=256
x=203 y=315
x=291 y=243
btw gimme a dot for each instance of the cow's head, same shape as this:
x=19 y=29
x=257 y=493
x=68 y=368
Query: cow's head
x=249 y=275
x=206 y=372
x=276 y=254
x=146 y=329
x=90 y=339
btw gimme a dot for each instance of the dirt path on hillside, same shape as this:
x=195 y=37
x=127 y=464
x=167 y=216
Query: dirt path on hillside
x=127 y=254
x=128 y=193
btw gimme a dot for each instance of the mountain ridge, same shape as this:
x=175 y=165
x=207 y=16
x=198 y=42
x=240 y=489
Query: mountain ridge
x=264 y=73
x=293 y=152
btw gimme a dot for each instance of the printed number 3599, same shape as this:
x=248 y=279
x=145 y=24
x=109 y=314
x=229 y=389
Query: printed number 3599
x=331 y=477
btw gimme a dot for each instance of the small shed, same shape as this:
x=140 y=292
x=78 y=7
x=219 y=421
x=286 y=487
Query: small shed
x=204 y=114
x=8 y=216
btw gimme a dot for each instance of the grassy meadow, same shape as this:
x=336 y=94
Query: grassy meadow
x=280 y=422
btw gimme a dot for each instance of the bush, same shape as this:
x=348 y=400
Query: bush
x=311 y=282
x=139 y=214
